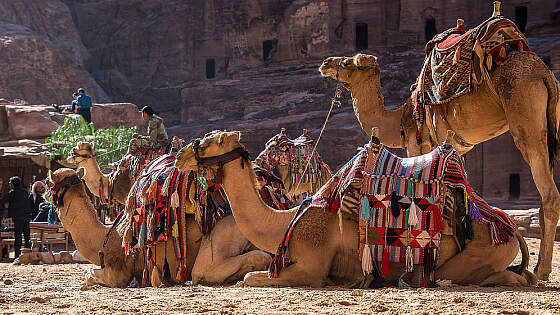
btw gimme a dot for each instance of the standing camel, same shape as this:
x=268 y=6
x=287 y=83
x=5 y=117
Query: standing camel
x=526 y=104
x=323 y=245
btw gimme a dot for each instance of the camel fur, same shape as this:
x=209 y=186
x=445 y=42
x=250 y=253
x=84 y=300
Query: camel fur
x=321 y=254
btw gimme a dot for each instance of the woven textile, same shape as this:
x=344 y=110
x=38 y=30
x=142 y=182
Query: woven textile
x=135 y=163
x=304 y=167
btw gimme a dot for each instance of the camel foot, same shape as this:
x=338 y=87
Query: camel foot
x=530 y=277
x=505 y=278
x=542 y=274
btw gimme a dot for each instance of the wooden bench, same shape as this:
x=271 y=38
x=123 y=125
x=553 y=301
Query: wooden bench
x=7 y=240
x=43 y=233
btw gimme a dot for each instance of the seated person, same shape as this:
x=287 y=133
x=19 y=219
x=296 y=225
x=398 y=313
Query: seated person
x=157 y=136
x=44 y=211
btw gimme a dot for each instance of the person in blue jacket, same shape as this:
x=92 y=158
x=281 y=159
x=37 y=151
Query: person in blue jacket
x=84 y=105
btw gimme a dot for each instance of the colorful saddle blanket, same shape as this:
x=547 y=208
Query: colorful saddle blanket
x=399 y=203
x=135 y=163
x=305 y=168
x=456 y=59
x=272 y=190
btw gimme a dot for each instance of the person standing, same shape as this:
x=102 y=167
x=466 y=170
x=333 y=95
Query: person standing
x=3 y=214
x=19 y=209
x=84 y=105
x=74 y=103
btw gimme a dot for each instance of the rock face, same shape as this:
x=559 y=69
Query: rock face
x=42 y=54
x=38 y=121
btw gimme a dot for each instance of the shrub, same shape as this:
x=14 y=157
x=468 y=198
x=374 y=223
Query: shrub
x=109 y=144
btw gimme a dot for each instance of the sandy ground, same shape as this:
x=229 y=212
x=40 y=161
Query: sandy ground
x=53 y=289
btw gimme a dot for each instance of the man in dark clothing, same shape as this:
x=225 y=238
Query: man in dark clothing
x=3 y=214
x=84 y=105
x=19 y=209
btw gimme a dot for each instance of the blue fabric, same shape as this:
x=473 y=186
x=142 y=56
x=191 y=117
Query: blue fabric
x=84 y=101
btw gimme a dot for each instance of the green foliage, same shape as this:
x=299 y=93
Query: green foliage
x=109 y=144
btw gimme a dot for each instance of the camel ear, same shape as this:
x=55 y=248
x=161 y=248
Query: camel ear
x=81 y=172
x=238 y=135
x=365 y=61
x=221 y=138
x=50 y=177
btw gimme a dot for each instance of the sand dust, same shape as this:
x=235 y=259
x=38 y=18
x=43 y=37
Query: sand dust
x=54 y=289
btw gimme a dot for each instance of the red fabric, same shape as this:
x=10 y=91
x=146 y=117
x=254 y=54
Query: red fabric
x=453 y=39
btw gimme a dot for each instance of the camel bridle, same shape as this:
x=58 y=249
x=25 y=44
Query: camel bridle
x=59 y=190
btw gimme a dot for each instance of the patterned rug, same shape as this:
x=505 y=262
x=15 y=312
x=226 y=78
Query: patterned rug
x=399 y=203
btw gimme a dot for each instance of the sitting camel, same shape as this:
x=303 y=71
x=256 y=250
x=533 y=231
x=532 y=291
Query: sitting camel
x=520 y=95
x=282 y=156
x=318 y=251
x=225 y=256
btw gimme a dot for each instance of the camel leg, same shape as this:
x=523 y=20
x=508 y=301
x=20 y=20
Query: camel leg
x=220 y=257
x=234 y=268
x=295 y=275
x=528 y=126
x=505 y=278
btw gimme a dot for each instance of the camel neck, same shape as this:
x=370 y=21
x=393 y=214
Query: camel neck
x=93 y=176
x=262 y=225
x=369 y=106
x=80 y=218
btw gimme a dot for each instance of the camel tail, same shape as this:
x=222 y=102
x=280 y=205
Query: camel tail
x=552 y=139
x=519 y=269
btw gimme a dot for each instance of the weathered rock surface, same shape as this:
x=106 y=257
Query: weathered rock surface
x=116 y=114
x=41 y=53
x=30 y=122
x=528 y=222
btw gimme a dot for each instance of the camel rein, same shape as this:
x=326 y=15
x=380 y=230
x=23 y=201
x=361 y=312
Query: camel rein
x=335 y=101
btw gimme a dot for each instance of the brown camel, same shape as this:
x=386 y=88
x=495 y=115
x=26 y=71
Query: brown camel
x=318 y=250
x=100 y=185
x=525 y=104
x=225 y=256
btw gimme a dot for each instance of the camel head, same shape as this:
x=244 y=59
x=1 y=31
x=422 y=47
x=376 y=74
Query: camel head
x=81 y=152
x=213 y=144
x=58 y=176
x=350 y=70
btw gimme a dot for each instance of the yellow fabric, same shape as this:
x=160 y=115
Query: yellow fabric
x=190 y=207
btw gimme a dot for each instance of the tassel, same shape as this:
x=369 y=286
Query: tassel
x=438 y=222
x=520 y=46
x=489 y=62
x=385 y=264
x=175 y=200
x=474 y=212
x=156 y=277
x=412 y=216
x=165 y=187
x=142 y=235
x=457 y=56
x=409 y=259
x=175 y=231
x=365 y=209
x=395 y=210
x=166 y=273
x=468 y=228
x=367 y=262
x=145 y=278
x=503 y=52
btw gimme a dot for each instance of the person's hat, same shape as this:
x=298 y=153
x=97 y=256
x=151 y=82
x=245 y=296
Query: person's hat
x=148 y=110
